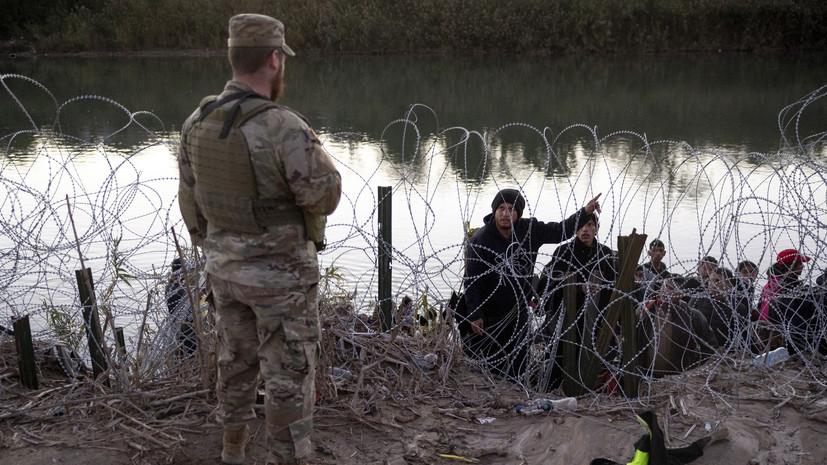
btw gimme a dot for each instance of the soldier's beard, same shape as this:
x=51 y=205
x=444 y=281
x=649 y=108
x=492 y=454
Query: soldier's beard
x=277 y=86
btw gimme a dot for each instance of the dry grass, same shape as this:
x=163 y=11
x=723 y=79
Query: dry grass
x=153 y=412
x=395 y=380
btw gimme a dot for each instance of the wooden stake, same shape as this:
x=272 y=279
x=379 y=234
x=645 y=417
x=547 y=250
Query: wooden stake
x=568 y=338
x=25 y=353
x=89 y=300
x=385 y=241
x=91 y=321
x=629 y=249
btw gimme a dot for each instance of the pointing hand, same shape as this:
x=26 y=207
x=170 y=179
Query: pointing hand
x=593 y=205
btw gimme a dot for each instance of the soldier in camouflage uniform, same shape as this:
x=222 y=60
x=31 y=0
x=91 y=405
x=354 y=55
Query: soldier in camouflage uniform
x=255 y=188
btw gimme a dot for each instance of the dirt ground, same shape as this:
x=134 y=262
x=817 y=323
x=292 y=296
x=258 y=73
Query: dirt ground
x=417 y=400
x=475 y=422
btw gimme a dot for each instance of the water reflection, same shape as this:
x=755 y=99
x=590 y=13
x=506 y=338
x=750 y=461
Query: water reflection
x=721 y=101
x=683 y=148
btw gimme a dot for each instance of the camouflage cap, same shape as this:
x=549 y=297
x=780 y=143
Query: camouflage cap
x=252 y=30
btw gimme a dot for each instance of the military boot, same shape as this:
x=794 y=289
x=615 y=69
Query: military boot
x=234 y=443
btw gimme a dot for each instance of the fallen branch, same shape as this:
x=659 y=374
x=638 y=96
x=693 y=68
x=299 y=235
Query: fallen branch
x=145 y=436
x=187 y=395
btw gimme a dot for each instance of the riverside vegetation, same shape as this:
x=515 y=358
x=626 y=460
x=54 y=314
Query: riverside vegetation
x=434 y=26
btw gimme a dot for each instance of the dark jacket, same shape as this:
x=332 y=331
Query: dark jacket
x=691 y=341
x=576 y=257
x=499 y=271
x=745 y=292
x=820 y=303
x=651 y=273
x=794 y=308
x=694 y=287
x=722 y=318
x=179 y=305
x=176 y=294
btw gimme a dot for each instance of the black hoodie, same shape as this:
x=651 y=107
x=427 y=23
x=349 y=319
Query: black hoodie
x=576 y=257
x=499 y=270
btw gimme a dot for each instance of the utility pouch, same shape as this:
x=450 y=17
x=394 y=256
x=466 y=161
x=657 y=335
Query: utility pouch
x=314 y=229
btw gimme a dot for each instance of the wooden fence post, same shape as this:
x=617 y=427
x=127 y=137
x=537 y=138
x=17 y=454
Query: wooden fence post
x=385 y=249
x=121 y=342
x=568 y=337
x=91 y=320
x=628 y=328
x=25 y=353
x=588 y=355
x=629 y=249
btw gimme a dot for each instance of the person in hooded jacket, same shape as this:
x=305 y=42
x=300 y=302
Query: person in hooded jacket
x=180 y=309
x=499 y=272
x=788 y=303
x=593 y=263
x=594 y=267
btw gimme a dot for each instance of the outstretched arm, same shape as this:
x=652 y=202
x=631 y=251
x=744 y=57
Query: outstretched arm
x=554 y=233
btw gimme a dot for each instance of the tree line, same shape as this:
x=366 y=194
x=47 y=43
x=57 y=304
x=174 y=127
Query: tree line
x=423 y=26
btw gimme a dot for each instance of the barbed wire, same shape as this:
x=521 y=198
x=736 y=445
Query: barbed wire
x=735 y=206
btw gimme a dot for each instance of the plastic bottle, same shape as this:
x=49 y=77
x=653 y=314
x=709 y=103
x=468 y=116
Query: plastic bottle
x=774 y=357
x=529 y=410
x=566 y=403
x=546 y=405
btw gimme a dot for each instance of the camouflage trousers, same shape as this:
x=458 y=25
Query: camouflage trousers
x=272 y=332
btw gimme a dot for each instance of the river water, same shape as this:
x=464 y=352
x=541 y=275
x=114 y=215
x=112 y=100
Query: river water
x=695 y=149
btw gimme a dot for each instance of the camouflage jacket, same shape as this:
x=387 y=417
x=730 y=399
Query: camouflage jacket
x=289 y=163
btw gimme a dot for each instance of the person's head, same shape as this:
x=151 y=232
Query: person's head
x=175 y=265
x=718 y=284
x=671 y=289
x=587 y=226
x=782 y=269
x=640 y=276
x=706 y=266
x=507 y=208
x=748 y=271
x=792 y=261
x=657 y=250
x=257 y=47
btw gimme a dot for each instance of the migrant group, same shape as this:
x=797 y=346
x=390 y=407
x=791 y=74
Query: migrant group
x=512 y=318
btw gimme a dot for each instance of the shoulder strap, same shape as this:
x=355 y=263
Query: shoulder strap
x=212 y=103
x=240 y=97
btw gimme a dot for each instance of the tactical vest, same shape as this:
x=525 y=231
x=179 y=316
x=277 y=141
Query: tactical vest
x=226 y=188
